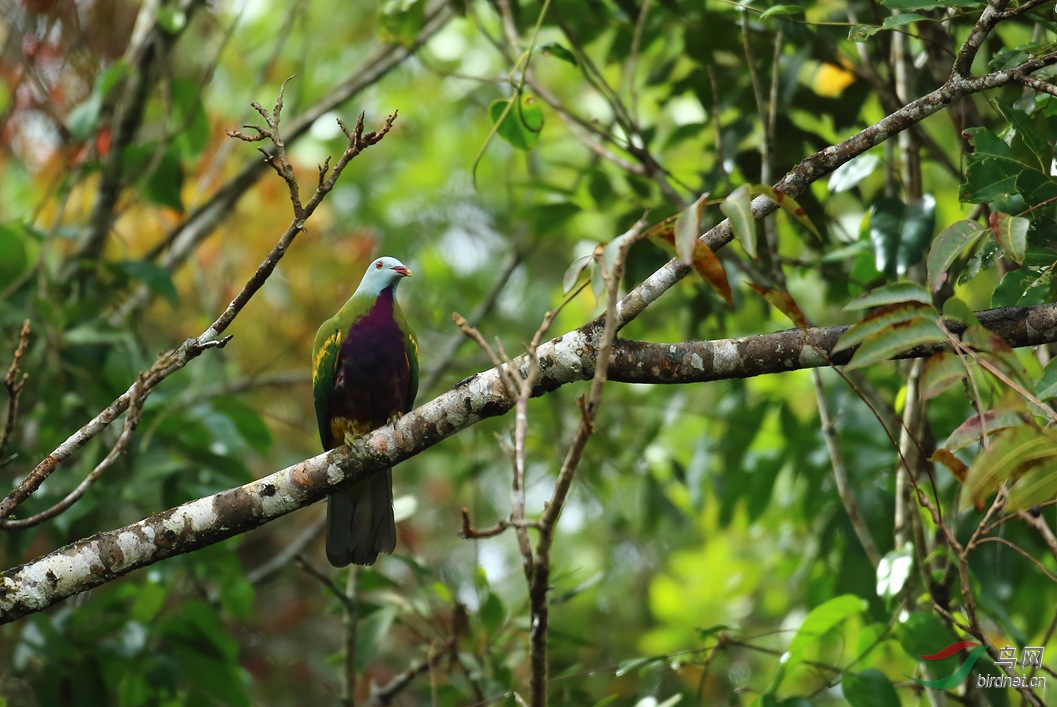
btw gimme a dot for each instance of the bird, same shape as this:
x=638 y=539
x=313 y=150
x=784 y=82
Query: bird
x=364 y=375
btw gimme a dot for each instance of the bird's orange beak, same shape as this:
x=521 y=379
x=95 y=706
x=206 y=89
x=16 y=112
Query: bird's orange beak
x=402 y=270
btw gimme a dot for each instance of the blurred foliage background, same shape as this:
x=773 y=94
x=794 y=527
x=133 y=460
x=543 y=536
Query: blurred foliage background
x=704 y=525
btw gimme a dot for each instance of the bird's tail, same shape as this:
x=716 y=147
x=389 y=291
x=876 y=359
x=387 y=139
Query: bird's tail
x=360 y=522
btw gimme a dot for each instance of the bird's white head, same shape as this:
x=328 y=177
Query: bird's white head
x=382 y=273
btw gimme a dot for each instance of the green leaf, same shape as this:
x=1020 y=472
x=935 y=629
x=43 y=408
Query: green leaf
x=1046 y=387
x=738 y=208
x=189 y=118
x=870 y=688
x=900 y=19
x=991 y=170
x=1036 y=486
x=171 y=19
x=1011 y=232
x=900 y=233
x=246 y=420
x=626 y=666
x=912 y=5
x=573 y=272
x=948 y=246
x=1029 y=138
x=371 y=634
x=822 y=619
x=860 y=33
x=161 y=175
x=558 y=52
x=955 y=308
x=157 y=279
x=853 y=171
x=1025 y=288
x=972 y=430
x=894 y=570
x=13 y=258
x=995 y=349
x=890 y=294
x=783 y=11
x=896 y=339
x=923 y=633
x=941 y=371
x=882 y=318
x=518 y=126
x=1036 y=188
x=400 y=21
x=1009 y=454
x=82 y=119
x=492 y=614
x=788 y=204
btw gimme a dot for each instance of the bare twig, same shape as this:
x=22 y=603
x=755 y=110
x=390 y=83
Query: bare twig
x=991 y=16
x=13 y=383
x=1038 y=85
x=211 y=337
x=910 y=461
x=540 y=580
x=263 y=572
x=386 y=694
x=199 y=225
x=471 y=533
x=132 y=418
x=351 y=621
x=840 y=474
x=323 y=578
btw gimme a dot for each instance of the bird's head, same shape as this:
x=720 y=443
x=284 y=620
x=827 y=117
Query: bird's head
x=382 y=273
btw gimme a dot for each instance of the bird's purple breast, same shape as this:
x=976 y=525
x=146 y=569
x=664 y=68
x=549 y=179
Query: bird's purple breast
x=373 y=374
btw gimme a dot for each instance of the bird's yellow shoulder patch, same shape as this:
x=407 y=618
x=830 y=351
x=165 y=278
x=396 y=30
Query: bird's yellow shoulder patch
x=326 y=349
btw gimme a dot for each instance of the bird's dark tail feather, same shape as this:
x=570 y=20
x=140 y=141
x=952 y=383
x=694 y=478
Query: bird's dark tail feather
x=360 y=522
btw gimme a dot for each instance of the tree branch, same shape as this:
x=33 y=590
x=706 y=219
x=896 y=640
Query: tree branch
x=93 y=561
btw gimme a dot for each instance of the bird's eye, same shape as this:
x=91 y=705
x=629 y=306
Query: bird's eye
x=378 y=265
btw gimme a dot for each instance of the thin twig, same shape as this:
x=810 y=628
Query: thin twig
x=540 y=579
x=840 y=473
x=323 y=578
x=277 y=562
x=14 y=383
x=351 y=621
x=383 y=696
x=132 y=419
x=211 y=337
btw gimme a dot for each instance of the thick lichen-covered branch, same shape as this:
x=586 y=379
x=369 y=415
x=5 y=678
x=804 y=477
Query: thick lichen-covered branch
x=571 y=357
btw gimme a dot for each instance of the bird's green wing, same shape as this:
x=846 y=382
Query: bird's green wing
x=411 y=349
x=324 y=368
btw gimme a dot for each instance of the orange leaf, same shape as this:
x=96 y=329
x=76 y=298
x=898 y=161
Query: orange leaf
x=704 y=261
x=785 y=304
x=956 y=466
